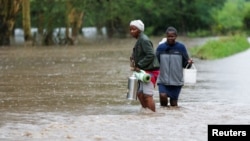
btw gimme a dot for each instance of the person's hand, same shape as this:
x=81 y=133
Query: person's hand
x=137 y=69
x=131 y=58
x=132 y=63
x=190 y=61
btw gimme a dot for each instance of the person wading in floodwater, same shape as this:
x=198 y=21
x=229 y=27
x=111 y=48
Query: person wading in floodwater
x=144 y=58
x=173 y=57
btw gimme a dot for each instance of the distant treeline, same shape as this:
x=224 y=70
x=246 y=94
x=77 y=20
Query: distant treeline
x=190 y=17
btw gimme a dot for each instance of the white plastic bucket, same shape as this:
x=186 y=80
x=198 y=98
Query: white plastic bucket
x=189 y=75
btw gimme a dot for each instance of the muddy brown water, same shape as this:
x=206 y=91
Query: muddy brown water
x=75 y=92
x=65 y=78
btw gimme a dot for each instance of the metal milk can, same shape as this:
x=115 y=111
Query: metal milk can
x=132 y=87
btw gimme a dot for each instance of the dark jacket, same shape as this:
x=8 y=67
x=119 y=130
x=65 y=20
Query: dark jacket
x=144 y=55
x=172 y=61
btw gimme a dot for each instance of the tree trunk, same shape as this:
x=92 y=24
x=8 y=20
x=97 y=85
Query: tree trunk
x=8 y=13
x=74 y=20
x=76 y=25
x=26 y=20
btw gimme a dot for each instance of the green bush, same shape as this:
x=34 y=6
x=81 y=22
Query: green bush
x=223 y=47
x=199 y=33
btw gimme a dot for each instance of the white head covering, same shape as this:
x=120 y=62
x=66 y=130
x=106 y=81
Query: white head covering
x=138 y=23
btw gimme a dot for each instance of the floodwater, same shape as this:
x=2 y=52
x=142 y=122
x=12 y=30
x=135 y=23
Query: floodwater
x=79 y=93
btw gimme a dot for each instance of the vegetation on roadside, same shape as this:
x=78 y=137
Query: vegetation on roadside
x=223 y=47
x=61 y=22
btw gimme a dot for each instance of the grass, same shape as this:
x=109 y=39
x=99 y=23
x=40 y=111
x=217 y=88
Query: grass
x=223 y=47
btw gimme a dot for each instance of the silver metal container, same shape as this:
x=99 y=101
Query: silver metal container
x=132 y=87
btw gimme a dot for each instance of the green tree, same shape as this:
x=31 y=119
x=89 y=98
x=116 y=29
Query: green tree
x=116 y=16
x=246 y=19
x=9 y=9
x=51 y=14
x=230 y=18
x=185 y=15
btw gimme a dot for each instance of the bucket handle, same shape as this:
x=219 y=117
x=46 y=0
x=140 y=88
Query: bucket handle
x=193 y=66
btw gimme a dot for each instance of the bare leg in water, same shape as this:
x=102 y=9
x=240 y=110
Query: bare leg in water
x=149 y=100
x=141 y=99
x=173 y=102
x=146 y=101
x=163 y=99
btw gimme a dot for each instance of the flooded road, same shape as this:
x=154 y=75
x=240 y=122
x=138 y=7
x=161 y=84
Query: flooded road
x=79 y=93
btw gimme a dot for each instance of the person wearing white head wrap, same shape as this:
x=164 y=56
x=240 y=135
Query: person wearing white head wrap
x=143 y=58
x=138 y=23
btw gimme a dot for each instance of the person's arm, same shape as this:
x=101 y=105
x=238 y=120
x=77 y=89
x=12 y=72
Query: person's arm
x=158 y=53
x=186 y=60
